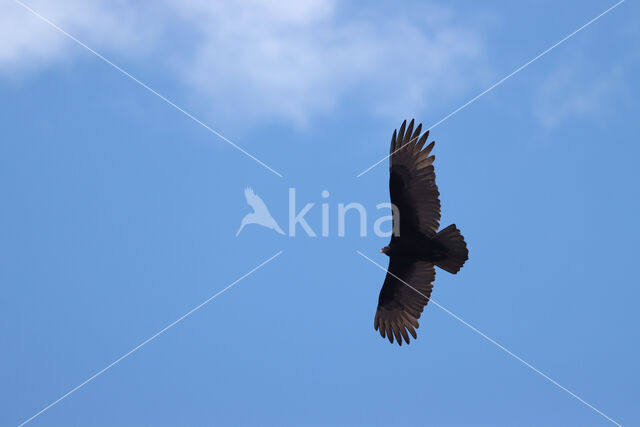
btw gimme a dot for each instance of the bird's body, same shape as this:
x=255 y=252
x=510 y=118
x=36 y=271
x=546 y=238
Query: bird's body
x=416 y=248
x=416 y=245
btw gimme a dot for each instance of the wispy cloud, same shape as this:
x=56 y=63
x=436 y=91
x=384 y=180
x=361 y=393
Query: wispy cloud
x=570 y=91
x=264 y=60
x=590 y=85
x=290 y=61
x=28 y=44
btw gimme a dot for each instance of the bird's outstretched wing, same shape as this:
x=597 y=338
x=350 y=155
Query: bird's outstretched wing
x=399 y=305
x=412 y=182
x=255 y=201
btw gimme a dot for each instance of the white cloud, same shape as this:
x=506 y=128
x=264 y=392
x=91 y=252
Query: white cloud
x=27 y=43
x=291 y=61
x=265 y=60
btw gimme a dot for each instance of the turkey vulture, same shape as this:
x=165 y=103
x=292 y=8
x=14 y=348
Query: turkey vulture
x=416 y=244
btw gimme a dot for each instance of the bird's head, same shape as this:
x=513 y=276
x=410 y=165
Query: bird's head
x=386 y=250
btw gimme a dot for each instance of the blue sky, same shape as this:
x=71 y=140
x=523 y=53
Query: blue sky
x=119 y=213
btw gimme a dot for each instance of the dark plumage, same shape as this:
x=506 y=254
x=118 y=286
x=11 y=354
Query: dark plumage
x=416 y=245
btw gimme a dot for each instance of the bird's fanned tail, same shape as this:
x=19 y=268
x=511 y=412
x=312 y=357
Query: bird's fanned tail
x=457 y=252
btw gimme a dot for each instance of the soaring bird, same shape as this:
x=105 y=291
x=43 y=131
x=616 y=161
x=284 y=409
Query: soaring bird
x=416 y=244
x=260 y=214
